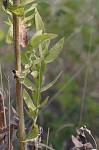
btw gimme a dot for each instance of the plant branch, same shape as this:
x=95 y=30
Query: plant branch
x=18 y=85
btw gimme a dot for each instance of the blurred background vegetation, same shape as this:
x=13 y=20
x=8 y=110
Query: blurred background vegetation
x=74 y=99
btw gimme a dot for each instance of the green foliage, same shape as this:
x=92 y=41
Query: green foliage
x=46 y=87
x=28 y=84
x=44 y=102
x=33 y=133
x=54 y=51
x=36 y=64
x=63 y=18
x=28 y=100
x=17 y=10
x=39 y=37
x=34 y=60
x=39 y=22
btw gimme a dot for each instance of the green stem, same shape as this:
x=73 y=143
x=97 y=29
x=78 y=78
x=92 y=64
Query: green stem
x=17 y=54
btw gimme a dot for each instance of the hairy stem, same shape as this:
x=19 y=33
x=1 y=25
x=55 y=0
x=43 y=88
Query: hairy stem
x=18 y=85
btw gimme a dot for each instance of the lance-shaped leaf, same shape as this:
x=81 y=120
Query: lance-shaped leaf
x=33 y=133
x=18 y=10
x=38 y=21
x=32 y=113
x=51 y=83
x=29 y=84
x=54 y=51
x=39 y=26
x=35 y=97
x=37 y=38
x=28 y=100
x=44 y=102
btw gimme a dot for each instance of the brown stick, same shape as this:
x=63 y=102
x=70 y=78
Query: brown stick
x=18 y=85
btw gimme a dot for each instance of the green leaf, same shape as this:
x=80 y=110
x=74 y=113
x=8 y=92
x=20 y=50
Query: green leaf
x=51 y=83
x=18 y=10
x=39 y=26
x=24 y=58
x=32 y=113
x=44 y=102
x=45 y=46
x=9 y=36
x=35 y=97
x=28 y=100
x=36 y=39
x=31 y=8
x=29 y=84
x=38 y=21
x=37 y=34
x=54 y=51
x=33 y=133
